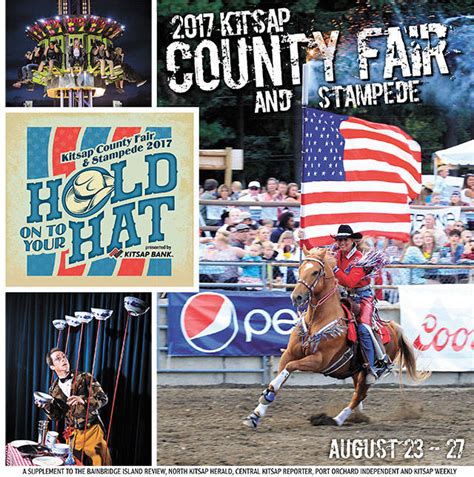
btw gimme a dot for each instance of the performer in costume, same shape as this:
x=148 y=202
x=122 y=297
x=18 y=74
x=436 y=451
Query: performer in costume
x=70 y=392
x=356 y=281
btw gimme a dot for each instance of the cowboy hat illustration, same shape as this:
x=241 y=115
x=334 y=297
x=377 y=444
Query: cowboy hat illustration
x=87 y=191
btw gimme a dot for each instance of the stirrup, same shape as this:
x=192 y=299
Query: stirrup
x=385 y=370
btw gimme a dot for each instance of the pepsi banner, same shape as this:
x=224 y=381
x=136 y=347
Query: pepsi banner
x=229 y=323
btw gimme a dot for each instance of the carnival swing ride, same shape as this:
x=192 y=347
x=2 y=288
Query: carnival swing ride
x=74 y=59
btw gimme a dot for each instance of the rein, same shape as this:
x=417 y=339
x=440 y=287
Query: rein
x=324 y=298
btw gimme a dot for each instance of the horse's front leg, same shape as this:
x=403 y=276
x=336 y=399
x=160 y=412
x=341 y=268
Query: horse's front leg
x=287 y=365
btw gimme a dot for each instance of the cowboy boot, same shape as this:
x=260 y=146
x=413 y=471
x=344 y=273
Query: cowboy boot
x=384 y=363
x=368 y=353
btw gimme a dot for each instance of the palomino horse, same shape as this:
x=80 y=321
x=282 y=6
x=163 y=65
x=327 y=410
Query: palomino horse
x=319 y=342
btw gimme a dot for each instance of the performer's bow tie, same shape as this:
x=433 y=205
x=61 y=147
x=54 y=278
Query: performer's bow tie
x=67 y=378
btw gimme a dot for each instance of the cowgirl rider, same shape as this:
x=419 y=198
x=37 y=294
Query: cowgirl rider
x=355 y=280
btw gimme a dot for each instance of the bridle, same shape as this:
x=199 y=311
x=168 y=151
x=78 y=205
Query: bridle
x=322 y=273
x=316 y=278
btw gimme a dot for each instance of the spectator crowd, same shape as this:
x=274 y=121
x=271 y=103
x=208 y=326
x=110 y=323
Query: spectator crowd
x=249 y=235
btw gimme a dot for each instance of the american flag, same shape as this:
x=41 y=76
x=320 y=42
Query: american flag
x=356 y=172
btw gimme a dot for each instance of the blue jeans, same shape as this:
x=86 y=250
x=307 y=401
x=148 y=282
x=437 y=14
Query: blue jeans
x=27 y=71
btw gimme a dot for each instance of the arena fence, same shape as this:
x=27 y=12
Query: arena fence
x=439 y=273
x=218 y=370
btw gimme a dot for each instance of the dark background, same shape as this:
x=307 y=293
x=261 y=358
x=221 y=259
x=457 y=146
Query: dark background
x=30 y=335
x=271 y=141
x=136 y=43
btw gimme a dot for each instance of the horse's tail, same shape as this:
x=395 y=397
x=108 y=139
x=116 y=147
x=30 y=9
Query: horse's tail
x=406 y=356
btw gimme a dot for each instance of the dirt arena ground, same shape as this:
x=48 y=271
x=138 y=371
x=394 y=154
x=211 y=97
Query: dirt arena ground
x=203 y=426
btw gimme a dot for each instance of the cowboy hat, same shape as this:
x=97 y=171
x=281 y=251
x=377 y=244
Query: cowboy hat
x=87 y=190
x=345 y=231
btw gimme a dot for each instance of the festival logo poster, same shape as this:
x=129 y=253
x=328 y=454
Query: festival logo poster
x=100 y=199
x=351 y=101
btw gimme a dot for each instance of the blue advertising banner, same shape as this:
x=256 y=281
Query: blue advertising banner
x=229 y=323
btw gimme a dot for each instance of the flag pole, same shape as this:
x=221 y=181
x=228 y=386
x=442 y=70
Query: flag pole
x=305 y=85
x=304 y=102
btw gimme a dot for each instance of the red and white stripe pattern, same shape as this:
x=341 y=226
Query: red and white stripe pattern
x=14 y=458
x=359 y=173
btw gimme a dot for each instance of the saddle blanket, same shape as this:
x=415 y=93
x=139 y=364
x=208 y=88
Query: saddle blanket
x=382 y=331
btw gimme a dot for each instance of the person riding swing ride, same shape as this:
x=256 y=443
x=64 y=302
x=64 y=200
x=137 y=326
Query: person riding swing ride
x=355 y=280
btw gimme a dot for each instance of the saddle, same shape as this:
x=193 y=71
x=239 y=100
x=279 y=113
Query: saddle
x=353 y=355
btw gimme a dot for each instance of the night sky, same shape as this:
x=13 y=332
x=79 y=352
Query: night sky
x=136 y=43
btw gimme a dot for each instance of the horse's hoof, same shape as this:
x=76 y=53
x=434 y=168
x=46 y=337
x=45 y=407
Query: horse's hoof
x=251 y=421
